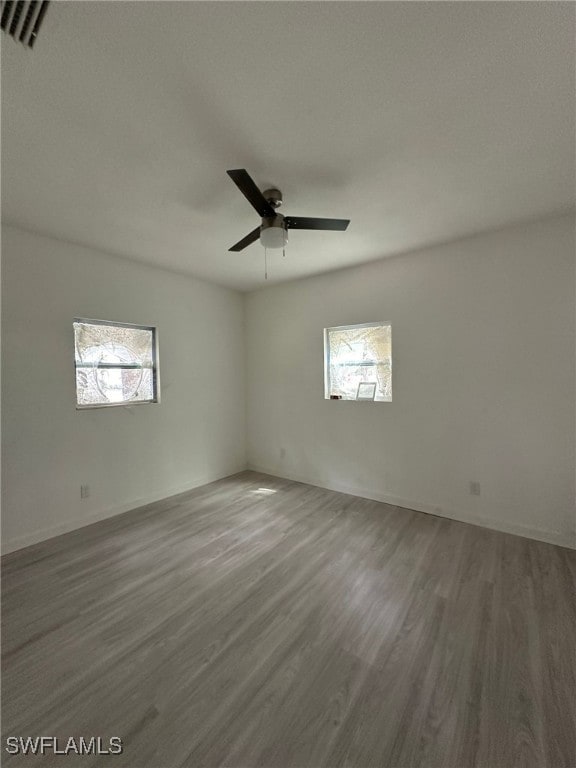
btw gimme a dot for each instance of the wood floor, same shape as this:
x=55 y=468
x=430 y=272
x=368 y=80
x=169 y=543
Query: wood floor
x=261 y=622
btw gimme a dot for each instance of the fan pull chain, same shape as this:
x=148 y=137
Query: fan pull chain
x=265 y=264
x=283 y=251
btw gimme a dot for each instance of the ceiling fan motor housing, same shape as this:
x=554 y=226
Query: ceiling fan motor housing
x=273 y=196
x=273 y=232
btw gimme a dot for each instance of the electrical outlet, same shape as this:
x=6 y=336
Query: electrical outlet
x=84 y=491
x=474 y=488
x=282 y=453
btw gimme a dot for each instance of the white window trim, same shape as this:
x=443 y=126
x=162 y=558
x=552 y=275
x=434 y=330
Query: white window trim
x=155 y=358
x=327 y=358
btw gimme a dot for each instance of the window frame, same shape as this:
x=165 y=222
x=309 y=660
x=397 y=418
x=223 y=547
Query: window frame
x=327 y=381
x=155 y=364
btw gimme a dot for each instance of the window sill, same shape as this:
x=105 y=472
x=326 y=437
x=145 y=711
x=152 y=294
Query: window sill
x=354 y=400
x=127 y=404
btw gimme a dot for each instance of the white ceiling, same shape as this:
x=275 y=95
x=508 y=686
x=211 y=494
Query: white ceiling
x=421 y=122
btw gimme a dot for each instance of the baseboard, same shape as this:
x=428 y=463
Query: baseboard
x=519 y=529
x=19 y=542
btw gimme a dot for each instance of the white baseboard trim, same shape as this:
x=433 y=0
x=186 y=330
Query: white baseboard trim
x=519 y=529
x=26 y=540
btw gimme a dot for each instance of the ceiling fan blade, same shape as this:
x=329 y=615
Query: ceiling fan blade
x=246 y=241
x=251 y=192
x=303 y=222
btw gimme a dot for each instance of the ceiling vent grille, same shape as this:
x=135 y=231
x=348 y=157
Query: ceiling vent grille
x=22 y=19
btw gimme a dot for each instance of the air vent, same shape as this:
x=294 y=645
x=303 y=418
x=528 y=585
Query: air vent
x=22 y=19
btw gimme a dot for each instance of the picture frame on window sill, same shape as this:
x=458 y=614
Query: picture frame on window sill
x=366 y=390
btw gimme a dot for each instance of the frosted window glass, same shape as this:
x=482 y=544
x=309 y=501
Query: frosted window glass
x=355 y=355
x=115 y=364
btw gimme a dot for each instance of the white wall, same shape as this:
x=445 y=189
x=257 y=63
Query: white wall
x=483 y=344
x=484 y=373
x=128 y=456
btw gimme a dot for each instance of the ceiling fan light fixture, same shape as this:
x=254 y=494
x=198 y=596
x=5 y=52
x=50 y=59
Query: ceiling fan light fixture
x=273 y=237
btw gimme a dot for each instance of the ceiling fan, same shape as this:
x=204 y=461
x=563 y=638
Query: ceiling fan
x=273 y=232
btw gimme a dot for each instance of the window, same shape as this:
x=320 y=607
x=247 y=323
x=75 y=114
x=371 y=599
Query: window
x=358 y=362
x=115 y=363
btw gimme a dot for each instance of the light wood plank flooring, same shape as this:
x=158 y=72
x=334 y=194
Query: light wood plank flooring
x=261 y=622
